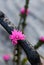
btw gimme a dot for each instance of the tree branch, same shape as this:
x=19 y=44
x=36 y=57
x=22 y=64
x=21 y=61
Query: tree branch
x=31 y=53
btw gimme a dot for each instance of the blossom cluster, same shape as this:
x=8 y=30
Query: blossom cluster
x=23 y=11
x=42 y=38
x=6 y=57
x=15 y=36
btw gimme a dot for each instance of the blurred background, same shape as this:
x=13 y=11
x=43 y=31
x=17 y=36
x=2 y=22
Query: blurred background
x=34 y=28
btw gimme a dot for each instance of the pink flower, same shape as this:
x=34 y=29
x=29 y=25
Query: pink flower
x=6 y=57
x=23 y=11
x=42 y=39
x=15 y=36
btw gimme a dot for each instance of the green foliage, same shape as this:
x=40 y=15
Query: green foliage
x=24 y=61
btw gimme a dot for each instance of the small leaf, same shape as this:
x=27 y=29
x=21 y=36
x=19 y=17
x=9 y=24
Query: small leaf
x=24 y=61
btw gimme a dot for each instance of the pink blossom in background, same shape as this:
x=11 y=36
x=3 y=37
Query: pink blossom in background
x=6 y=57
x=42 y=38
x=23 y=11
x=15 y=36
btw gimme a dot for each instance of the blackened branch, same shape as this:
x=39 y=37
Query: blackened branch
x=31 y=53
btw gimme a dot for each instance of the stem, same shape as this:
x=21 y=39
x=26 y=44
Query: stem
x=25 y=15
x=14 y=56
x=27 y=2
x=19 y=24
x=23 y=26
x=38 y=44
x=18 y=55
x=18 y=47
